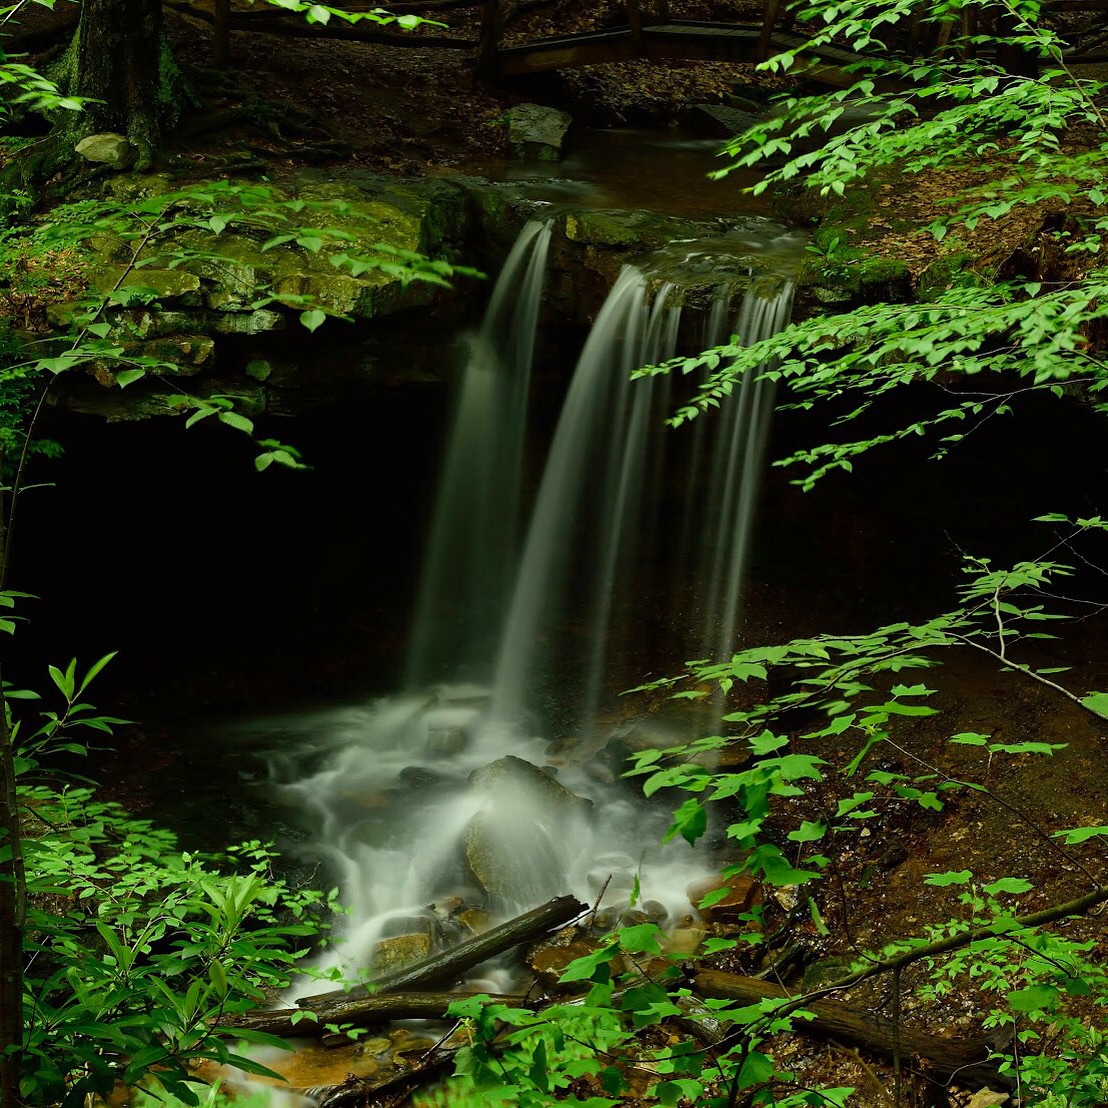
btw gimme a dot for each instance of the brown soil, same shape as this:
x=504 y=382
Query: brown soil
x=414 y=109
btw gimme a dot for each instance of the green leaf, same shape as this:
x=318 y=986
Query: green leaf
x=127 y=377
x=641 y=939
x=970 y=738
x=590 y=967
x=690 y=821
x=1013 y=885
x=1075 y=835
x=680 y=1088
x=952 y=877
x=757 y=1069
x=313 y=318
x=714 y=896
x=537 y=1071
x=94 y=671
x=468 y=1008
x=1096 y=703
x=197 y=416
x=808 y=832
x=1035 y=998
x=237 y=421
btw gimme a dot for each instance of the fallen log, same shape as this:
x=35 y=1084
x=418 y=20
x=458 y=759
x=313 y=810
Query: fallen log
x=361 y=1012
x=355 y=1092
x=449 y=966
x=962 y=1060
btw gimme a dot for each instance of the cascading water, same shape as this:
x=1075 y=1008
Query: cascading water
x=475 y=527
x=447 y=795
x=598 y=388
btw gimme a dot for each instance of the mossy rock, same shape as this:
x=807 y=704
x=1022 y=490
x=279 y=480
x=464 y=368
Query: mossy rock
x=164 y=284
x=950 y=270
x=139 y=186
x=851 y=275
x=627 y=230
x=186 y=354
x=375 y=221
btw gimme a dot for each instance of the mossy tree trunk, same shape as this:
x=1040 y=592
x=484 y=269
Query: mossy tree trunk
x=121 y=63
x=117 y=60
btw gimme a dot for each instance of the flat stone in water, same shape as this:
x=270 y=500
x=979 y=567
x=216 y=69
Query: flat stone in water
x=400 y=952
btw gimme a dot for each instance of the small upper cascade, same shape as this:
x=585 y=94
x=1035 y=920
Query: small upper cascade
x=476 y=520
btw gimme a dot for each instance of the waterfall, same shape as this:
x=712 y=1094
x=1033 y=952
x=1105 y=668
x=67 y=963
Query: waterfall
x=453 y=794
x=593 y=490
x=475 y=524
x=603 y=367
x=736 y=474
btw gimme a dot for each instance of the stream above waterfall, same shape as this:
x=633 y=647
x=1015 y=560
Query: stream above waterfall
x=634 y=169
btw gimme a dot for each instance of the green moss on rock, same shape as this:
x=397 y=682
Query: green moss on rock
x=951 y=270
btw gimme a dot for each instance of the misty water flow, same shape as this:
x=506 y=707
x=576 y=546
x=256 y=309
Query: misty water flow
x=498 y=786
x=468 y=564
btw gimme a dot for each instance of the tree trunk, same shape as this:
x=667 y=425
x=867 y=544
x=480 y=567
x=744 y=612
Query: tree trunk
x=12 y=913
x=117 y=60
x=13 y=899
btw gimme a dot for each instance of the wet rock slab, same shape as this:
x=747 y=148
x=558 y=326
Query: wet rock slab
x=528 y=829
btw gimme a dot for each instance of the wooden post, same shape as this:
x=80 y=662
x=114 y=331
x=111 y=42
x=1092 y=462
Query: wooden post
x=970 y=24
x=634 y=21
x=765 y=39
x=488 y=45
x=221 y=46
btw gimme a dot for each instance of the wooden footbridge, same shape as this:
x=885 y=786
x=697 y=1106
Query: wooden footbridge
x=660 y=39
x=668 y=41
x=663 y=39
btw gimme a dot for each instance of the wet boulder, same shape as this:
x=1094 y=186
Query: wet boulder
x=536 y=132
x=549 y=963
x=401 y=951
x=528 y=830
x=737 y=895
